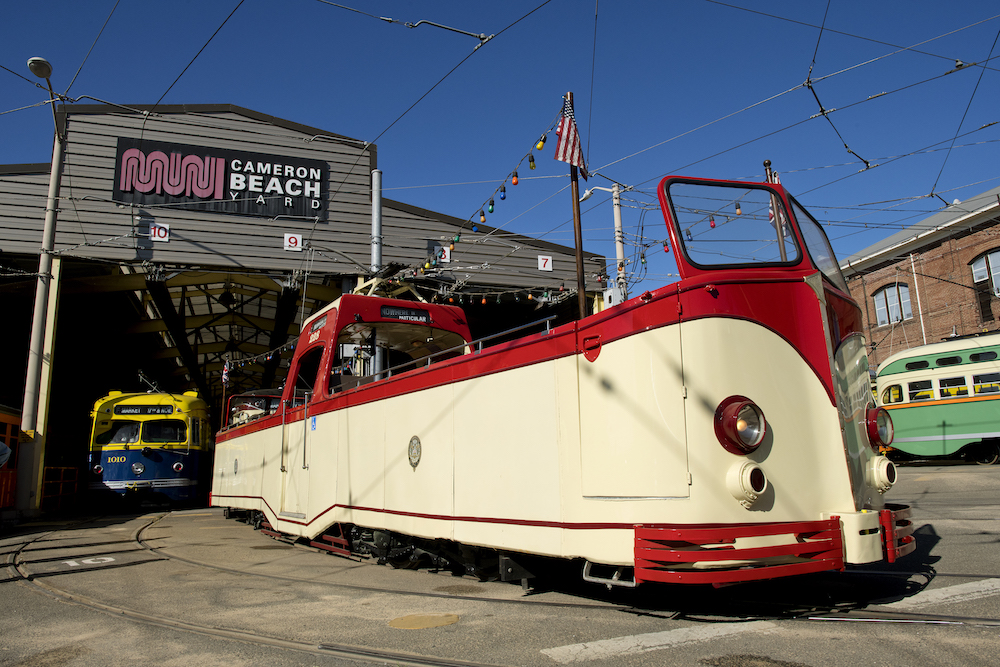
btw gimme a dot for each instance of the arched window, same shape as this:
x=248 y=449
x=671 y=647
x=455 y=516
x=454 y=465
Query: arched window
x=987 y=267
x=892 y=304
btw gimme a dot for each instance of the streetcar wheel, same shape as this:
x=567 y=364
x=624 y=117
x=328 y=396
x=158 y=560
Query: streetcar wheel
x=986 y=454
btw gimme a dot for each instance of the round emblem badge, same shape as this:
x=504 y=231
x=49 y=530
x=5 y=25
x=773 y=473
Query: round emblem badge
x=414 y=451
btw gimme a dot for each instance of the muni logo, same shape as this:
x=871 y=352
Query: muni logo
x=176 y=174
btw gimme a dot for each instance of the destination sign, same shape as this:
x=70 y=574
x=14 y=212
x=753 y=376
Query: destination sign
x=144 y=410
x=408 y=314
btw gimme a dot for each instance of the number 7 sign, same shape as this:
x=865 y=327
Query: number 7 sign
x=544 y=263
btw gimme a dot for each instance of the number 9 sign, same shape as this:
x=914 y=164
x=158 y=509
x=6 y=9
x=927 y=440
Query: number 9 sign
x=293 y=242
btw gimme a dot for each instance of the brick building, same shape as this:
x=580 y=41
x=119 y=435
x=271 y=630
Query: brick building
x=936 y=279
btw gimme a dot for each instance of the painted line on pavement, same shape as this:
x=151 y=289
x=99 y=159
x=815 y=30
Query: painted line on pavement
x=654 y=641
x=949 y=595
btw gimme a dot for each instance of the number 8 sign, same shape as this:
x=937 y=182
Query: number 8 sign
x=293 y=242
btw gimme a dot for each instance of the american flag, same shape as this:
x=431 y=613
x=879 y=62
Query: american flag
x=568 y=148
x=225 y=374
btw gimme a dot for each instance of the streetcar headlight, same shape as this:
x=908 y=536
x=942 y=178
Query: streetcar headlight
x=880 y=429
x=746 y=482
x=739 y=425
x=881 y=473
x=138 y=468
x=178 y=466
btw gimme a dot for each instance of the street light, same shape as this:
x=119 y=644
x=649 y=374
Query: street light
x=29 y=480
x=615 y=191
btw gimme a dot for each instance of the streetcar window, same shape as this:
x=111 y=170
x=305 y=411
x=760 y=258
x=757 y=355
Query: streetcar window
x=921 y=390
x=917 y=365
x=982 y=356
x=950 y=387
x=163 y=431
x=892 y=394
x=948 y=361
x=986 y=383
x=307 y=370
x=121 y=433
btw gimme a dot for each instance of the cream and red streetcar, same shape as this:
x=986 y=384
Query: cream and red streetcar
x=717 y=429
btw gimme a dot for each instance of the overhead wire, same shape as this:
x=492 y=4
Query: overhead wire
x=99 y=33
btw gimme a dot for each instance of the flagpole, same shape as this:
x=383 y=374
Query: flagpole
x=581 y=284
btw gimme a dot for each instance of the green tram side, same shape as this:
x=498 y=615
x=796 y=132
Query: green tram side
x=153 y=447
x=944 y=399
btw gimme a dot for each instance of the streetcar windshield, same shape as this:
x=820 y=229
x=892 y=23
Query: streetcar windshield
x=726 y=225
x=819 y=247
x=121 y=432
x=163 y=431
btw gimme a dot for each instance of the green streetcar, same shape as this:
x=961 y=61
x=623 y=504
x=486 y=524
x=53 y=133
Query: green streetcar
x=944 y=399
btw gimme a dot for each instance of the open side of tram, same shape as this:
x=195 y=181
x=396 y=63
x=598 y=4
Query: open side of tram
x=153 y=447
x=715 y=430
x=944 y=399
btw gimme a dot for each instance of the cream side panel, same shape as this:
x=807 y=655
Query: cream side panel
x=507 y=456
x=632 y=418
x=365 y=449
x=242 y=467
x=323 y=456
x=803 y=453
x=428 y=488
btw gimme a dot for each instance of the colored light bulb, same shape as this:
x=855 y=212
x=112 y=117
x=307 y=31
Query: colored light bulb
x=687 y=233
x=541 y=143
x=666 y=248
x=513 y=179
x=711 y=222
x=490 y=207
x=503 y=193
x=482 y=217
x=484 y=300
x=531 y=161
x=474 y=228
x=739 y=211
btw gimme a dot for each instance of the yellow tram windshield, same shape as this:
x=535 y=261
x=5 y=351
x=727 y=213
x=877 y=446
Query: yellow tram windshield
x=158 y=420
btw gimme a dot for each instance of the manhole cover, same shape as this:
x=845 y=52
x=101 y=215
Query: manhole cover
x=423 y=621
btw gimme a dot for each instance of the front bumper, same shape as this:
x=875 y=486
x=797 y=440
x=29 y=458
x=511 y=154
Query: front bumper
x=731 y=553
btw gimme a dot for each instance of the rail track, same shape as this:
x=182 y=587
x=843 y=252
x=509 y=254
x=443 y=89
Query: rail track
x=744 y=603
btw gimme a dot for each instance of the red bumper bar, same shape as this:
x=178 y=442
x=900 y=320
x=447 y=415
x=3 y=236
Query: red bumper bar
x=897 y=531
x=685 y=554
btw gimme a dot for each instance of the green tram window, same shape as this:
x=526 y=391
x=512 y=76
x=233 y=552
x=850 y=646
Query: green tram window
x=948 y=361
x=917 y=365
x=952 y=387
x=921 y=390
x=982 y=356
x=892 y=394
x=986 y=383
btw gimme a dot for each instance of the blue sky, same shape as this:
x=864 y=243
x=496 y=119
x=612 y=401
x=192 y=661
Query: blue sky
x=697 y=88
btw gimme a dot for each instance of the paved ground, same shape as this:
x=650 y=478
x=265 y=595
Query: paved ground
x=193 y=588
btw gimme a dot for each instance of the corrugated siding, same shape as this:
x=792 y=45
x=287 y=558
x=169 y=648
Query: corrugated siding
x=91 y=225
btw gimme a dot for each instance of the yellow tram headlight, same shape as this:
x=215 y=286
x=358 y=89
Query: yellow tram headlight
x=739 y=425
x=880 y=428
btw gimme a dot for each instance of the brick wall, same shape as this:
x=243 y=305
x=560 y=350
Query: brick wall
x=949 y=301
